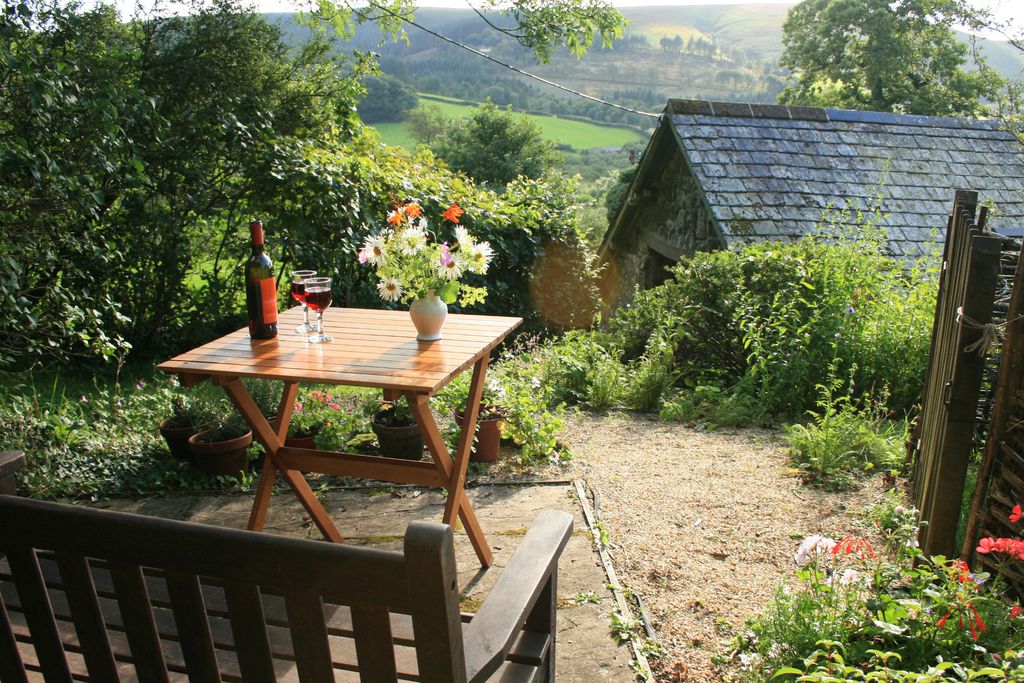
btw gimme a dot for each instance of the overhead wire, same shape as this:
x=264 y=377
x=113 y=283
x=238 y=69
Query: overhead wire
x=512 y=67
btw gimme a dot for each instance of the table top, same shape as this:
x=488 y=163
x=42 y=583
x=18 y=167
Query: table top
x=371 y=348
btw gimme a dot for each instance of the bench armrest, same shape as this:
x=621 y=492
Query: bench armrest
x=490 y=635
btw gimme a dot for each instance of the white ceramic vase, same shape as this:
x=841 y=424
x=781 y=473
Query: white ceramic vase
x=428 y=316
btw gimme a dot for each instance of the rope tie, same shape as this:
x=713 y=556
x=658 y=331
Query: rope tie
x=991 y=333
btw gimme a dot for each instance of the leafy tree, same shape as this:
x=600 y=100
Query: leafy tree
x=386 y=99
x=883 y=55
x=427 y=122
x=495 y=146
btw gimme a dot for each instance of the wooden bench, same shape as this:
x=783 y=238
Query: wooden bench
x=10 y=462
x=104 y=596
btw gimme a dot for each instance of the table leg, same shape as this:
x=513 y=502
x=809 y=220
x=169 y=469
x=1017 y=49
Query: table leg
x=457 y=504
x=269 y=438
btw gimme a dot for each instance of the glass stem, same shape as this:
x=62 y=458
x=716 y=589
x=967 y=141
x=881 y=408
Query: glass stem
x=305 y=315
x=320 y=324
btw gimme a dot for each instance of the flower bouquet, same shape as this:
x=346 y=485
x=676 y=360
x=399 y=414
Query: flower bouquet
x=416 y=265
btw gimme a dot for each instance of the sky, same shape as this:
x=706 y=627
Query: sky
x=1004 y=10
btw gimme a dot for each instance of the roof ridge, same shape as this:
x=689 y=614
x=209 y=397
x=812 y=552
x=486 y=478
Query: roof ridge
x=801 y=113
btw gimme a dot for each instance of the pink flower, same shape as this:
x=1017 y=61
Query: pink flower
x=446 y=255
x=1016 y=514
x=363 y=257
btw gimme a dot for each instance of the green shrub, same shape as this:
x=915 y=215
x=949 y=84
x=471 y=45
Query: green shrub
x=651 y=375
x=771 y=319
x=714 y=407
x=844 y=440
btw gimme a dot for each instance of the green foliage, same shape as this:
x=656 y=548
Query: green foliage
x=495 y=146
x=770 y=320
x=844 y=440
x=880 y=55
x=542 y=26
x=651 y=375
x=714 y=408
x=386 y=99
x=857 y=616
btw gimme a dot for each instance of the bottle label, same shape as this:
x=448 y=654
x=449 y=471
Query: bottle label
x=268 y=291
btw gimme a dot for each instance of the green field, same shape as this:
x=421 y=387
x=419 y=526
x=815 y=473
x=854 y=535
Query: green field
x=579 y=135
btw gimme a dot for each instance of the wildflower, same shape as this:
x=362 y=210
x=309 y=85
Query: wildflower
x=850 y=309
x=390 y=289
x=453 y=269
x=84 y=399
x=396 y=217
x=142 y=383
x=120 y=403
x=854 y=545
x=1012 y=547
x=535 y=383
x=478 y=257
x=811 y=546
x=410 y=240
x=1015 y=612
x=453 y=212
x=445 y=255
x=849 y=576
x=974 y=622
x=1016 y=514
x=372 y=251
x=412 y=210
x=298 y=407
x=463 y=238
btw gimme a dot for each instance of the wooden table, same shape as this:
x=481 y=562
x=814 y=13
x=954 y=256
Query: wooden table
x=371 y=348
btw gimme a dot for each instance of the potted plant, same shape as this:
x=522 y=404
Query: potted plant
x=187 y=418
x=490 y=423
x=397 y=431
x=419 y=265
x=222 y=448
x=308 y=419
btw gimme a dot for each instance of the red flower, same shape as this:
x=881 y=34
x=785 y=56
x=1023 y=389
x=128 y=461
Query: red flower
x=942 y=621
x=412 y=210
x=453 y=212
x=1013 y=547
x=975 y=621
x=854 y=545
x=1016 y=611
x=1016 y=514
x=960 y=571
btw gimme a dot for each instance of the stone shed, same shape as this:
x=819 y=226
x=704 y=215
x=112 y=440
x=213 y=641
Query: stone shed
x=720 y=174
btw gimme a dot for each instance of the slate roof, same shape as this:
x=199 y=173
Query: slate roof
x=767 y=171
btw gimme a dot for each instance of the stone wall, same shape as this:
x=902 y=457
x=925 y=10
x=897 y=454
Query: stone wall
x=666 y=215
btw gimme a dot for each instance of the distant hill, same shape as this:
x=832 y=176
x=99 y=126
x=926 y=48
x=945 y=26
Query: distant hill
x=725 y=52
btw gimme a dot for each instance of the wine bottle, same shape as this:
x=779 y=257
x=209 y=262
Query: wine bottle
x=260 y=288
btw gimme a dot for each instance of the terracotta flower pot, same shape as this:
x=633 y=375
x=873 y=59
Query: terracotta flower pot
x=405 y=442
x=488 y=436
x=177 y=439
x=228 y=457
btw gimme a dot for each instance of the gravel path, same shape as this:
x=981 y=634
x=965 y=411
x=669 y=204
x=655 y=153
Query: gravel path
x=702 y=525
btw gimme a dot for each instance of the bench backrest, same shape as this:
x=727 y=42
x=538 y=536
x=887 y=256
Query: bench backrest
x=125 y=596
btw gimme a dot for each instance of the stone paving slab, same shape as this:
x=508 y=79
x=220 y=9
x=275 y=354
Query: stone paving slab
x=378 y=517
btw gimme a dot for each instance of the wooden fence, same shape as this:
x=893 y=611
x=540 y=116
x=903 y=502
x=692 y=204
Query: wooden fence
x=1001 y=471
x=949 y=420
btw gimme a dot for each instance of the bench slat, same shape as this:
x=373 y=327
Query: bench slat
x=249 y=626
x=309 y=636
x=139 y=623
x=11 y=668
x=192 y=626
x=88 y=619
x=372 y=627
x=36 y=601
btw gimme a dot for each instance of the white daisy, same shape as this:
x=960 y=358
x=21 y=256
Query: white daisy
x=390 y=289
x=373 y=250
x=478 y=256
x=410 y=240
x=452 y=268
x=463 y=237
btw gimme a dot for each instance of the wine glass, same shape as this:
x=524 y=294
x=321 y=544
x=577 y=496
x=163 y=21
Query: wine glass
x=318 y=297
x=299 y=278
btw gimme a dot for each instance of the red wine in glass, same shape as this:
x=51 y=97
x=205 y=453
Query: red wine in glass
x=319 y=299
x=299 y=278
x=299 y=291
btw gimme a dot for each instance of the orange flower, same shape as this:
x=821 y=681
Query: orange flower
x=853 y=545
x=412 y=210
x=453 y=212
x=396 y=217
